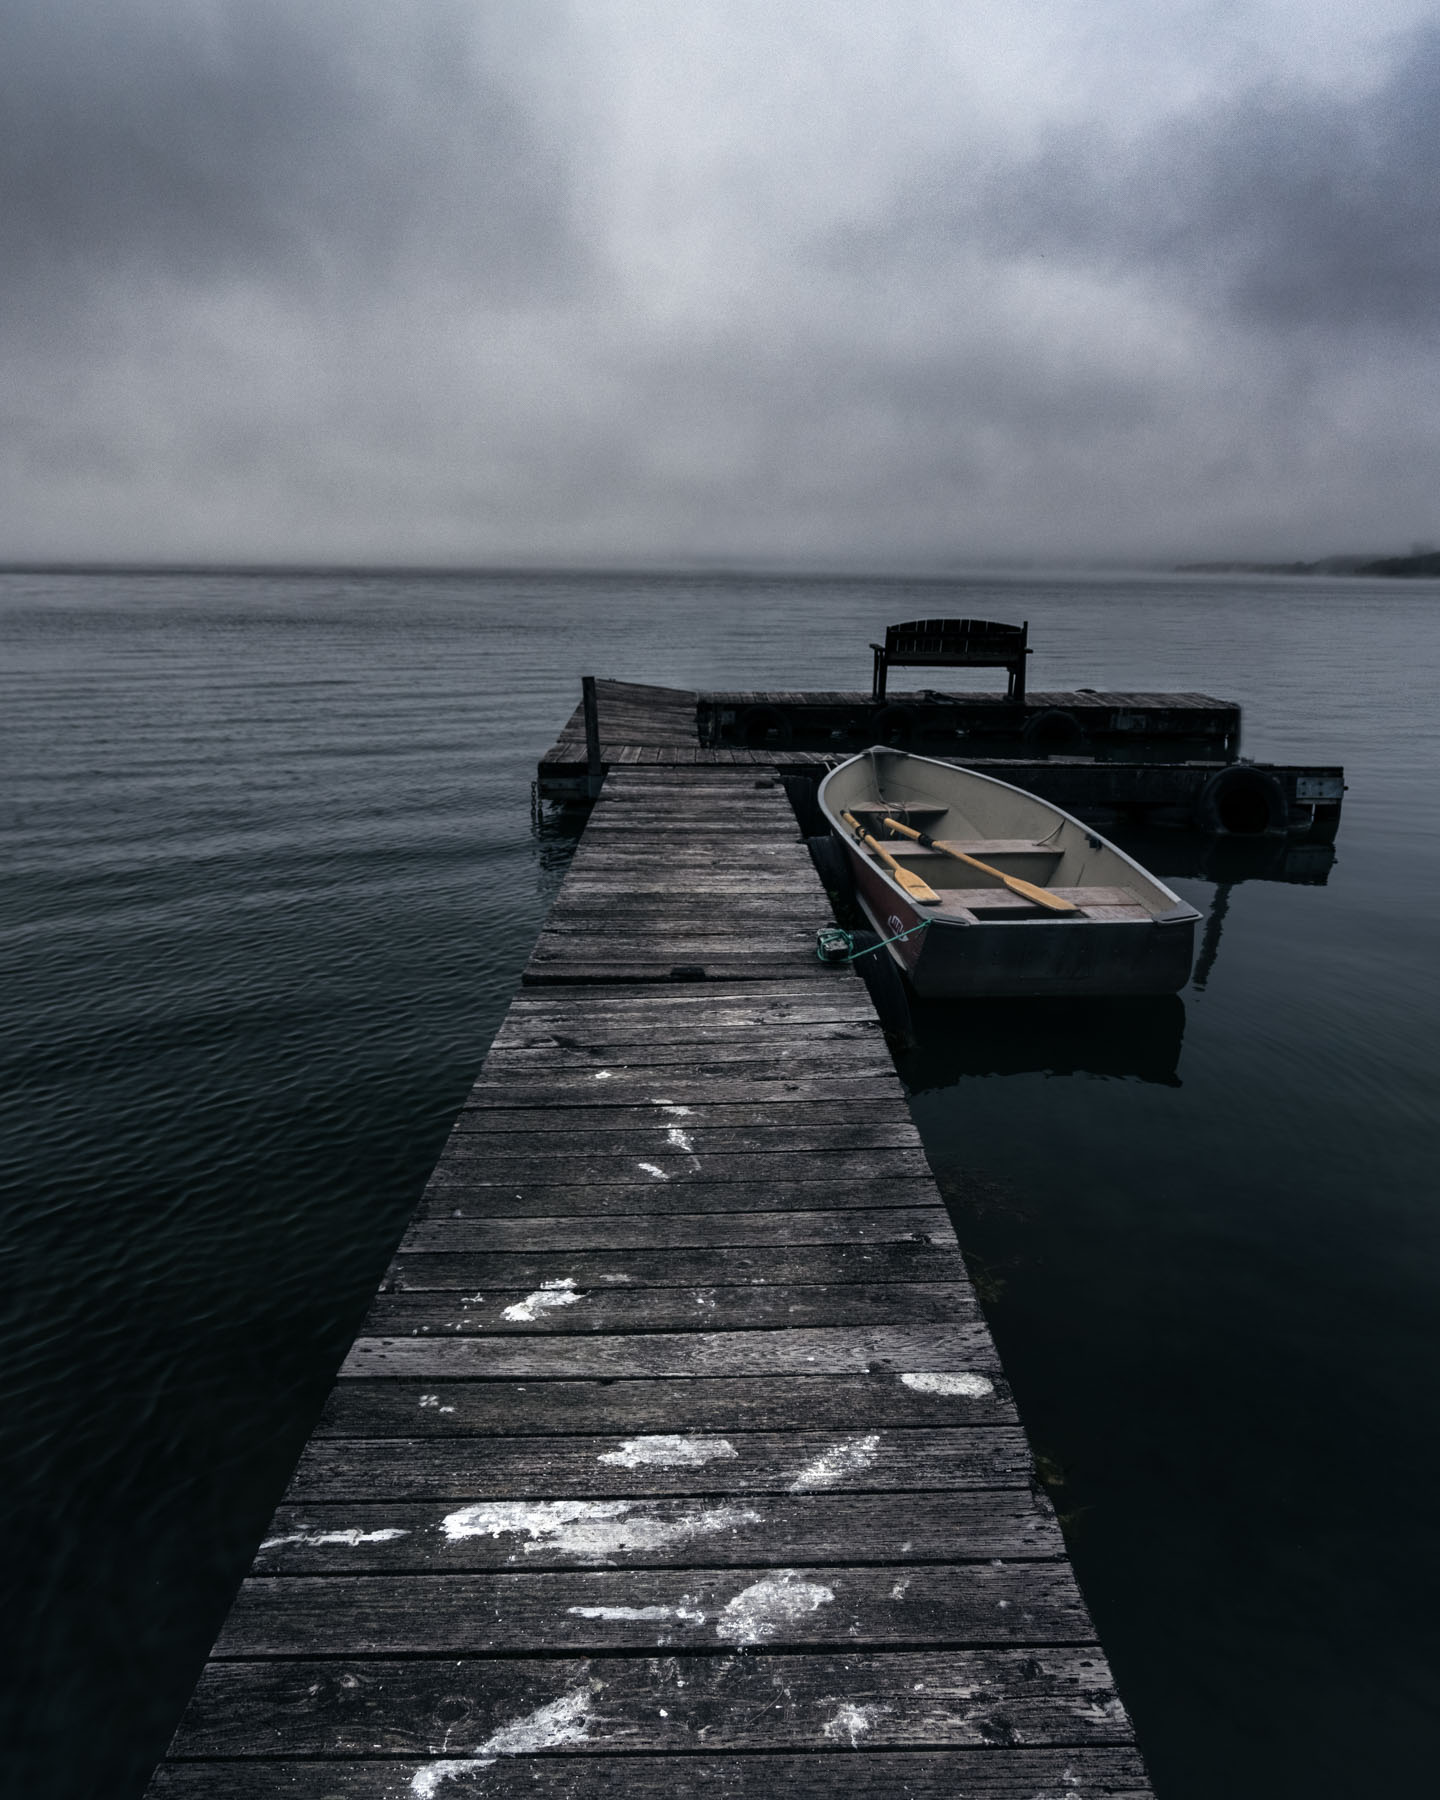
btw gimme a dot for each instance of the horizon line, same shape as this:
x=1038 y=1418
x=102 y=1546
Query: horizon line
x=679 y=569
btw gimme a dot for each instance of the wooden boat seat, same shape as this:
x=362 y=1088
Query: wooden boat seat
x=1095 y=903
x=981 y=847
x=908 y=812
x=1106 y=902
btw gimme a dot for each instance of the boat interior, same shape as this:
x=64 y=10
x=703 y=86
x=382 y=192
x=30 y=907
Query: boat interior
x=1058 y=854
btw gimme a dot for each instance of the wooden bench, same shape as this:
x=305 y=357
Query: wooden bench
x=954 y=644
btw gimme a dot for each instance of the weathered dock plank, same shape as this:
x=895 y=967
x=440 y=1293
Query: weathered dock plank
x=910 y=1700
x=451 y=1195
x=491 y=1408
x=779 y=1005
x=597 y=1313
x=681 y=1231
x=777 y=1264
x=845 y=1182
x=817 y=1773
x=466 y=1165
x=781 y=1120
x=674 y=1452
x=695 y=1609
x=599 y=1040
x=600 y=1468
x=760 y=1529
x=955 y=1347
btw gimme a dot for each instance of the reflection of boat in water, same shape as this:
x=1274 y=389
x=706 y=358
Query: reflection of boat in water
x=991 y=891
x=1128 y=1039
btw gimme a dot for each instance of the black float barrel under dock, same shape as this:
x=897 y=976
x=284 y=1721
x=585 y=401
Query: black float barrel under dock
x=674 y=1456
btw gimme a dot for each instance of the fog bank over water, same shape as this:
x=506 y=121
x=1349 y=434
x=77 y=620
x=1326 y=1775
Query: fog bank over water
x=869 y=285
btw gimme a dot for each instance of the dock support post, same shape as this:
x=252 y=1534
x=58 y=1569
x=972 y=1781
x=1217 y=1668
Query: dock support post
x=595 y=776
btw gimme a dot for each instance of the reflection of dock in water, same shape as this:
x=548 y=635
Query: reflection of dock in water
x=1227 y=860
x=1210 y=937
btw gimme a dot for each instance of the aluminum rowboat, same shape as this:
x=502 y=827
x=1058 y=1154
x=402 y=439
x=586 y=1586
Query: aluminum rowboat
x=1123 y=931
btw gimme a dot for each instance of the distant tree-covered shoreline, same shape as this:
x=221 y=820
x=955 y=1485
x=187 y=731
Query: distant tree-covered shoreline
x=1418 y=564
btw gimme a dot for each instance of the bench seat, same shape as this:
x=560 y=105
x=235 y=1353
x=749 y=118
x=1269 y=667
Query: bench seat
x=984 y=848
x=1095 y=903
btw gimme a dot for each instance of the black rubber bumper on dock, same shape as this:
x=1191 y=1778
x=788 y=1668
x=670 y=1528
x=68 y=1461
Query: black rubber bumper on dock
x=674 y=1456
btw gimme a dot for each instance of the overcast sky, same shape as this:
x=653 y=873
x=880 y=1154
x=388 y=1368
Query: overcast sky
x=838 y=282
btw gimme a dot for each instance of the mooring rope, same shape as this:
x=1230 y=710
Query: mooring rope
x=826 y=940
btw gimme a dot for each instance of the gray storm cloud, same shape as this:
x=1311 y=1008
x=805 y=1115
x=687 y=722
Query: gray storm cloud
x=1289 y=208
x=268 y=143
x=483 y=282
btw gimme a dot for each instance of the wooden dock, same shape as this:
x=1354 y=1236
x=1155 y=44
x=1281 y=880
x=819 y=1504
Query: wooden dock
x=1126 y=759
x=674 y=1456
x=1077 y=721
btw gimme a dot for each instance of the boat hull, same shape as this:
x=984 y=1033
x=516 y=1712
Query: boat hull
x=947 y=962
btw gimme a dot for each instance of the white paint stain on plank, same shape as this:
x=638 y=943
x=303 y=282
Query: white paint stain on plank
x=668 y=1451
x=548 y=1295
x=563 y=1721
x=620 y=1615
x=592 y=1529
x=836 y=1464
x=852 y=1722
x=653 y=1169
x=349 y=1537
x=680 y=1140
x=425 y=1783
x=965 y=1385
x=764 y=1609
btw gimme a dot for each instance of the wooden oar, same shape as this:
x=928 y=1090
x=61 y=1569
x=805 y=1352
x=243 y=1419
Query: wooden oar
x=912 y=884
x=1026 y=889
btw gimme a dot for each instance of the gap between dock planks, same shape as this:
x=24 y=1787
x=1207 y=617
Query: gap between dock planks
x=674 y=1453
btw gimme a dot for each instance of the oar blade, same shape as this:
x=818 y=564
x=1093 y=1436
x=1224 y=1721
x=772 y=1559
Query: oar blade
x=1026 y=889
x=1041 y=896
x=911 y=883
x=914 y=886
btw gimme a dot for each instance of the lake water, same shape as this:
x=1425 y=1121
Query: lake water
x=272 y=876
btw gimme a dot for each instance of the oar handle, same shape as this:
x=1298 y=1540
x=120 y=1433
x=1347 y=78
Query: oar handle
x=870 y=843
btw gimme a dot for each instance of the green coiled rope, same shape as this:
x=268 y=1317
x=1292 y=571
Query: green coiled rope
x=829 y=939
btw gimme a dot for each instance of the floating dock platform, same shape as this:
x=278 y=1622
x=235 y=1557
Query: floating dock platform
x=1123 y=759
x=674 y=1456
